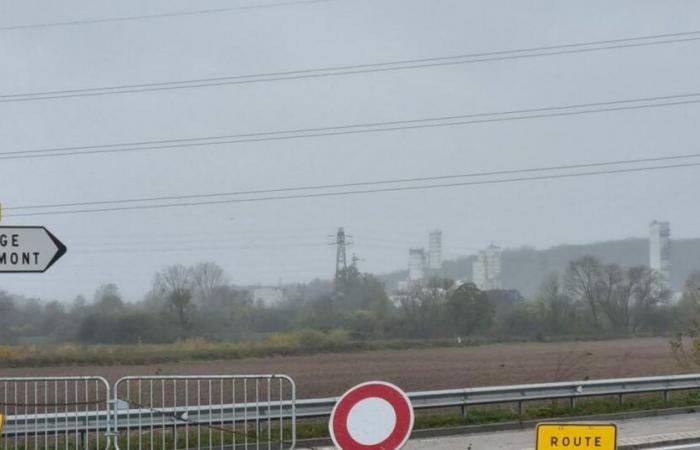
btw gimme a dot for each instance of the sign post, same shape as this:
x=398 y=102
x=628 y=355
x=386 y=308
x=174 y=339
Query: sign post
x=576 y=436
x=372 y=416
x=28 y=249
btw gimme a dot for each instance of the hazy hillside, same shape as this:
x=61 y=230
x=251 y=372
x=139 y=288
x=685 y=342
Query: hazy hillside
x=525 y=268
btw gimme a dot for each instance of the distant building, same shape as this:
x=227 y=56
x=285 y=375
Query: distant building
x=486 y=270
x=660 y=250
x=268 y=296
x=435 y=251
x=422 y=265
x=416 y=264
x=479 y=271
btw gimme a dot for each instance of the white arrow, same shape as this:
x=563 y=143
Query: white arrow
x=28 y=249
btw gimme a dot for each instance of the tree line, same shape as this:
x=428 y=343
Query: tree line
x=589 y=298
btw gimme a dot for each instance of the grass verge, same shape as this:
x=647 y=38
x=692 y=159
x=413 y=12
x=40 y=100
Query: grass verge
x=278 y=344
x=304 y=342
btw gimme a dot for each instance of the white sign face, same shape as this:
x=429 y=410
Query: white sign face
x=371 y=421
x=28 y=249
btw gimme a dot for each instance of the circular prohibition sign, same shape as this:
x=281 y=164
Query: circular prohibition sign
x=372 y=416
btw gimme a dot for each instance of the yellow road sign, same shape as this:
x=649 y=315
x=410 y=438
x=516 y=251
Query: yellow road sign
x=1 y=420
x=576 y=436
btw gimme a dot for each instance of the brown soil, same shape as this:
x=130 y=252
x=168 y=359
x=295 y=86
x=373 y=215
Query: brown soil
x=427 y=369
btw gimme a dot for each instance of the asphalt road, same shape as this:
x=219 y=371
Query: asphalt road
x=663 y=430
x=680 y=447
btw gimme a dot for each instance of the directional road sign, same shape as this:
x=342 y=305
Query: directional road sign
x=372 y=416
x=576 y=436
x=28 y=249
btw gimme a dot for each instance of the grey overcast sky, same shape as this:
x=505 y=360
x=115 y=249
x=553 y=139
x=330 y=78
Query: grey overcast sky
x=286 y=240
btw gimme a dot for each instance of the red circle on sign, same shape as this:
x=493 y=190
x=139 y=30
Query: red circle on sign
x=391 y=394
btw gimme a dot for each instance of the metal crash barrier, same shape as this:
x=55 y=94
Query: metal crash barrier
x=54 y=413
x=148 y=413
x=205 y=412
x=231 y=412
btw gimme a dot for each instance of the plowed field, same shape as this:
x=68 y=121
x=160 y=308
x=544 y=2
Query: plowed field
x=426 y=369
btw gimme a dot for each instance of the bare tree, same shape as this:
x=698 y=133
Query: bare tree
x=691 y=294
x=623 y=297
x=686 y=344
x=582 y=281
x=646 y=292
x=207 y=277
x=631 y=295
x=613 y=296
x=556 y=308
x=174 y=283
x=423 y=306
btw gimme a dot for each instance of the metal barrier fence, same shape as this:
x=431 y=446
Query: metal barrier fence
x=66 y=413
x=212 y=412
x=231 y=412
x=148 y=413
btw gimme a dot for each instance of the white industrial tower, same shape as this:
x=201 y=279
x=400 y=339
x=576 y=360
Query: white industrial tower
x=435 y=251
x=486 y=270
x=660 y=250
x=416 y=264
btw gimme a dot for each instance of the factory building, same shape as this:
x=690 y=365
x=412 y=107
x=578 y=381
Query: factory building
x=435 y=252
x=486 y=270
x=423 y=265
x=268 y=296
x=416 y=264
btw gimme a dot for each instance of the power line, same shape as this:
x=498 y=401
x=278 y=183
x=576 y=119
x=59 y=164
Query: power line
x=364 y=191
x=364 y=128
x=156 y=16
x=205 y=244
x=188 y=248
x=360 y=183
x=213 y=248
x=159 y=243
x=217 y=235
x=471 y=58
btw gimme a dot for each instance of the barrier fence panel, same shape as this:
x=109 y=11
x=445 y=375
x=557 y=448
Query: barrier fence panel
x=205 y=412
x=67 y=413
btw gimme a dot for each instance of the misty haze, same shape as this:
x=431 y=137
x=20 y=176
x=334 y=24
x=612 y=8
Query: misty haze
x=438 y=195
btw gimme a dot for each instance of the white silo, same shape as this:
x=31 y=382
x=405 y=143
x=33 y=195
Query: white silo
x=416 y=264
x=660 y=250
x=435 y=251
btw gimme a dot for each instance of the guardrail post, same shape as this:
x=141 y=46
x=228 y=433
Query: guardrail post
x=619 y=399
x=572 y=402
x=667 y=396
x=520 y=408
x=463 y=408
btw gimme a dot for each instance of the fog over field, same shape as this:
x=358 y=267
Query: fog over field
x=286 y=240
x=211 y=209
